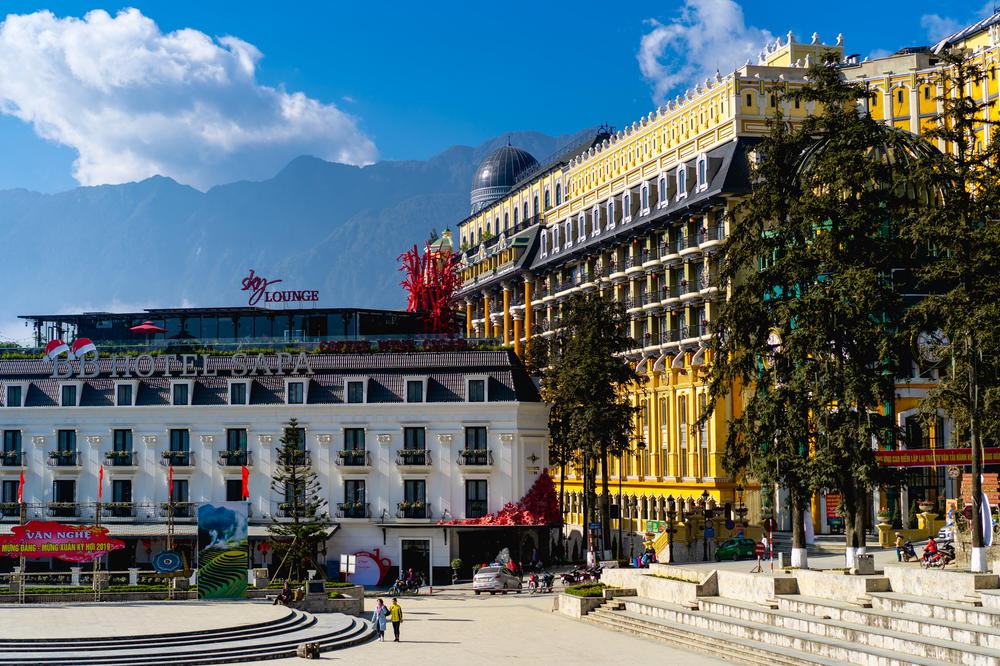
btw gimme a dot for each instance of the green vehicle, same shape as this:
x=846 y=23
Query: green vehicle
x=736 y=548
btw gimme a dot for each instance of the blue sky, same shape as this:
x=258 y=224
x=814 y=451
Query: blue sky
x=377 y=80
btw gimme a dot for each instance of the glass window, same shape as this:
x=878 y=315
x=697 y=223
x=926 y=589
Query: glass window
x=475 y=437
x=475 y=498
x=68 y=396
x=180 y=493
x=354 y=439
x=702 y=173
x=515 y=215
x=11 y=441
x=296 y=393
x=413 y=438
x=548 y=203
x=9 y=495
x=234 y=490
x=645 y=198
x=180 y=394
x=525 y=210
x=64 y=491
x=506 y=220
x=180 y=440
x=66 y=440
x=122 y=440
x=121 y=490
x=414 y=391
x=238 y=393
x=414 y=490
x=236 y=439
x=558 y=194
x=477 y=390
x=681 y=177
x=124 y=395
x=356 y=391
x=536 y=204
x=14 y=396
x=354 y=490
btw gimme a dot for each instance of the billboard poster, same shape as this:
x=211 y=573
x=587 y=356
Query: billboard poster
x=223 y=558
x=72 y=543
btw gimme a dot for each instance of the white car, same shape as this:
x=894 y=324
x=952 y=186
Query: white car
x=495 y=579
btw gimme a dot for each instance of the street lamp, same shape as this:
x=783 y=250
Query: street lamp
x=705 y=496
x=671 y=515
x=741 y=509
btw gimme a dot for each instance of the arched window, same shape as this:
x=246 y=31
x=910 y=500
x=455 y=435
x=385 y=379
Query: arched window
x=548 y=203
x=497 y=223
x=545 y=244
x=581 y=226
x=487 y=227
x=702 y=172
x=611 y=214
x=595 y=221
x=661 y=186
x=525 y=210
x=558 y=193
x=645 y=197
x=681 y=177
x=515 y=215
x=506 y=220
x=536 y=204
x=626 y=206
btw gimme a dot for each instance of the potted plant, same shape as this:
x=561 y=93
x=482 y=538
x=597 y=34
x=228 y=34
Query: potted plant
x=926 y=506
x=884 y=516
x=456 y=565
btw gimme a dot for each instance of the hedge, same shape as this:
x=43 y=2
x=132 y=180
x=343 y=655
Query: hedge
x=586 y=590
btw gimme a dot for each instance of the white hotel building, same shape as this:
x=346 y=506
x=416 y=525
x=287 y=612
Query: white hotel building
x=471 y=424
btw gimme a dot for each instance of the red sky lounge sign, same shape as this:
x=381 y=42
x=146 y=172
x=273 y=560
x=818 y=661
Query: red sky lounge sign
x=259 y=289
x=73 y=543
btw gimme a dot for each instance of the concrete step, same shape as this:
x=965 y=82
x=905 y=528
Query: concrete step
x=708 y=642
x=857 y=635
x=331 y=632
x=924 y=627
x=937 y=609
x=801 y=639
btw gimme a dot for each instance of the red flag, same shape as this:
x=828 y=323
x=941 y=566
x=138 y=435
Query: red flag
x=100 y=484
x=20 y=488
x=246 y=482
x=170 y=484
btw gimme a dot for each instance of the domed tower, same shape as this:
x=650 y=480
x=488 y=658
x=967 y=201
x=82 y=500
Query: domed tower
x=497 y=174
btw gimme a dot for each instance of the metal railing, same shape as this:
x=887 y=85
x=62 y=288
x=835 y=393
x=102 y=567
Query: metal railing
x=413 y=457
x=177 y=459
x=416 y=509
x=350 y=458
x=353 y=510
x=120 y=458
x=475 y=457
x=235 y=458
x=296 y=458
x=64 y=459
x=118 y=510
x=11 y=458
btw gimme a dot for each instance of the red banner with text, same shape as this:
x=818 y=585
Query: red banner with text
x=73 y=543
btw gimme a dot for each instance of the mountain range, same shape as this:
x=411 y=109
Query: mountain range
x=157 y=243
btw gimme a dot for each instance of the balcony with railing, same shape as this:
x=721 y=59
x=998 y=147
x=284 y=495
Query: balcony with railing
x=64 y=459
x=295 y=458
x=121 y=459
x=354 y=458
x=690 y=244
x=671 y=292
x=292 y=510
x=670 y=335
x=63 y=509
x=10 y=510
x=118 y=510
x=413 y=510
x=712 y=237
x=11 y=458
x=414 y=458
x=694 y=331
x=670 y=248
x=178 y=509
x=237 y=458
x=475 y=457
x=356 y=510
x=177 y=459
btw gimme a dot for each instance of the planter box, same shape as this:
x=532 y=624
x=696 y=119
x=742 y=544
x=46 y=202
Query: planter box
x=663 y=589
x=578 y=606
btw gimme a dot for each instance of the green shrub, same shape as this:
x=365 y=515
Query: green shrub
x=456 y=563
x=586 y=590
x=334 y=595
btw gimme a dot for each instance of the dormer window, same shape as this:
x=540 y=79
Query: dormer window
x=595 y=221
x=356 y=390
x=555 y=239
x=125 y=394
x=611 y=214
x=581 y=224
x=681 y=182
x=475 y=389
x=645 y=198
x=295 y=392
x=180 y=393
x=238 y=393
x=526 y=210
x=702 y=173
x=548 y=202
x=15 y=395
x=626 y=207
x=545 y=244
x=568 y=233
x=69 y=395
x=515 y=216
x=558 y=193
x=661 y=189
x=416 y=389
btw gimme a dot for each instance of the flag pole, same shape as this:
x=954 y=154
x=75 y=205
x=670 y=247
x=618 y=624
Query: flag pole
x=23 y=516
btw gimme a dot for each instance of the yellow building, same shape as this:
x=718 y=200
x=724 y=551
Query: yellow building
x=641 y=213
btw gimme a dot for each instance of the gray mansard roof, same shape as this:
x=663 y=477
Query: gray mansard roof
x=446 y=372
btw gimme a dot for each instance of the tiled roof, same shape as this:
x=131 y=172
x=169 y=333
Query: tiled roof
x=446 y=373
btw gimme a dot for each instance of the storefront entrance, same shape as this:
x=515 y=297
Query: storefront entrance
x=416 y=555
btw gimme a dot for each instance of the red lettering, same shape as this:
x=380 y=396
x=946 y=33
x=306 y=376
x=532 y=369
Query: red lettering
x=257 y=286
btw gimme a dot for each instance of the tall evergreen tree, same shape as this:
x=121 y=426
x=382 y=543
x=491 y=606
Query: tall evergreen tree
x=957 y=327
x=296 y=542
x=591 y=417
x=808 y=328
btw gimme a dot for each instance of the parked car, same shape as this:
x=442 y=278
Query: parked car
x=495 y=579
x=736 y=548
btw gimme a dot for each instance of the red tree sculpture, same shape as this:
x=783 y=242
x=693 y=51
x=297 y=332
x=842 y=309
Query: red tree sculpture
x=539 y=506
x=432 y=278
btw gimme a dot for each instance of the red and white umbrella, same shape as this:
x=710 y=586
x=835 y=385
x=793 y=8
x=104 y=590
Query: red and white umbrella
x=147 y=327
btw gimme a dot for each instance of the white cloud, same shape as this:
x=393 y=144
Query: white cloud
x=938 y=27
x=707 y=35
x=136 y=102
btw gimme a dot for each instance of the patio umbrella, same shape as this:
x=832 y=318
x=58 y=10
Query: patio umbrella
x=183 y=335
x=147 y=327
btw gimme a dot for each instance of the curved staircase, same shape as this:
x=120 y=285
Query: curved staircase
x=274 y=639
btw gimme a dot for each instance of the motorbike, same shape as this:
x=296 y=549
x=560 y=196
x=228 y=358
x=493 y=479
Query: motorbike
x=533 y=583
x=944 y=555
x=403 y=586
x=547 y=581
x=908 y=552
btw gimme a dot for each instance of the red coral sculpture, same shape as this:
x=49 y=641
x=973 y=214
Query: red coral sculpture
x=432 y=278
x=539 y=506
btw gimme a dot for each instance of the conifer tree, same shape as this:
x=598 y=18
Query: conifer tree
x=808 y=328
x=591 y=416
x=296 y=543
x=957 y=327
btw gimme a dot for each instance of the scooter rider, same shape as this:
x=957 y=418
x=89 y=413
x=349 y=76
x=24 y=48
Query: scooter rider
x=931 y=550
x=899 y=547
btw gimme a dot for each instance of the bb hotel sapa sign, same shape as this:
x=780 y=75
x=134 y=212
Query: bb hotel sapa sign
x=259 y=288
x=181 y=365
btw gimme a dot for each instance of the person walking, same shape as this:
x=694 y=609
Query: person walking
x=396 y=617
x=899 y=547
x=378 y=620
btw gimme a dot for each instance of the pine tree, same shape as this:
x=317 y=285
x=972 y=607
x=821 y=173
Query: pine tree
x=296 y=543
x=957 y=327
x=808 y=328
x=591 y=417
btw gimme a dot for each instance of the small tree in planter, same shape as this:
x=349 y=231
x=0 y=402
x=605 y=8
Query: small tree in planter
x=456 y=565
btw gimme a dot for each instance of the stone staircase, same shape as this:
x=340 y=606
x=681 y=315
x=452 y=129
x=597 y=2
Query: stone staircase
x=274 y=639
x=887 y=629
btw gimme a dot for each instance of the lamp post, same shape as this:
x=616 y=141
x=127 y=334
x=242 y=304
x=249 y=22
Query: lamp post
x=671 y=515
x=640 y=446
x=705 y=526
x=741 y=510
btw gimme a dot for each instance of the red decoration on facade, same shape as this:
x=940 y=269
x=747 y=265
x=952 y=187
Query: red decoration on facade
x=432 y=278
x=73 y=543
x=539 y=506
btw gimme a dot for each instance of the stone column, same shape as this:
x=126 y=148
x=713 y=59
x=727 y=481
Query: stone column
x=529 y=312
x=74 y=576
x=517 y=331
x=487 y=324
x=506 y=313
x=133 y=575
x=468 y=317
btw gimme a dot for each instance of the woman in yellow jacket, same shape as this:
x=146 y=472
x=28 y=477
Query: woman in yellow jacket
x=396 y=617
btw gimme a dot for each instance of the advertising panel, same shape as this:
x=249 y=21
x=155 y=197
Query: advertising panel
x=72 y=543
x=223 y=559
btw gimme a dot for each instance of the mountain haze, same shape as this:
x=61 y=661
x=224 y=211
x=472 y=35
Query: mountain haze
x=157 y=243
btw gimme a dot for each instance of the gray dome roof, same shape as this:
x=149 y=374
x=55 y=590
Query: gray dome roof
x=497 y=174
